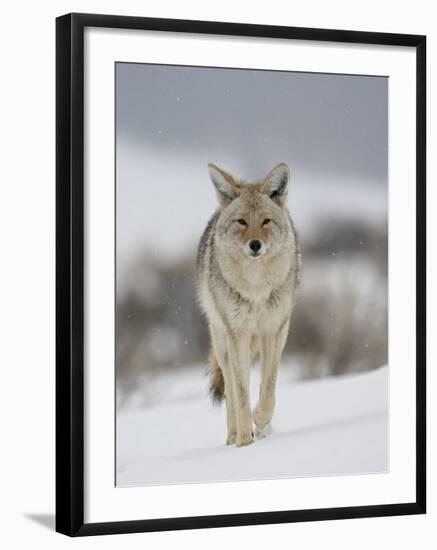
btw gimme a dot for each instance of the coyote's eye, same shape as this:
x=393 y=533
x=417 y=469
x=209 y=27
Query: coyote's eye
x=241 y=221
x=266 y=221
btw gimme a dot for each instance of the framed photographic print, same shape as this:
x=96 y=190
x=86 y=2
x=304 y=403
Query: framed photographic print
x=240 y=274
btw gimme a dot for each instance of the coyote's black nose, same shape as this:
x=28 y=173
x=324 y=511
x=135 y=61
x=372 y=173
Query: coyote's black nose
x=255 y=245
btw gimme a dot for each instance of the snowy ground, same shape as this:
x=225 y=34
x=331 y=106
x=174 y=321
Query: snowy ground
x=329 y=426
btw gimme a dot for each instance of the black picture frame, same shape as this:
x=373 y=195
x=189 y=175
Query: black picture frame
x=70 y=273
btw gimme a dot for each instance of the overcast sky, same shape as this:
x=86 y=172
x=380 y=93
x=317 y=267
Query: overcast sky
x=320 y=124
x=171 y=121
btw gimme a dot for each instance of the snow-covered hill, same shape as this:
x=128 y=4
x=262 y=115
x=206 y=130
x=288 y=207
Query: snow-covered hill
x=330 y=426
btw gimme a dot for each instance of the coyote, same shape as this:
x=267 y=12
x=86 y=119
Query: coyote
x=248 y=265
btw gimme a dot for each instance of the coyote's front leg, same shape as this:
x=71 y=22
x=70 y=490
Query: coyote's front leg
x=218 y=340
x=271 y=351
x=239 y=362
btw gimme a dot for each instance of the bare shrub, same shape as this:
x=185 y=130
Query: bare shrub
x=339 y=324
x=339 y=332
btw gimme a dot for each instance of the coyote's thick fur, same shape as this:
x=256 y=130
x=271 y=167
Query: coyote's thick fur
x=248 y=266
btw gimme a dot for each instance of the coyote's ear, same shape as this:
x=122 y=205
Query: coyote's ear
x=275 y=184
x=227 y=188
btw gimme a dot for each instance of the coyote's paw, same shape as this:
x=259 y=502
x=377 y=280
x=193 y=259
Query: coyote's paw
x=261 y=434
x=262 y=420
x=231 y=439
x=245 y=439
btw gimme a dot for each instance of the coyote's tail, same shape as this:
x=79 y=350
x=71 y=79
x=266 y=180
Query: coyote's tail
x=217 y=382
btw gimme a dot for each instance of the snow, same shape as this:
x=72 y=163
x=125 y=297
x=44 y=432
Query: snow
x=170 y=225
x=329 y=426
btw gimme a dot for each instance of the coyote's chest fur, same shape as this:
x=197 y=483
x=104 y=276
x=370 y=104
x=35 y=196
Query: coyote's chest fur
x=247 y=297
